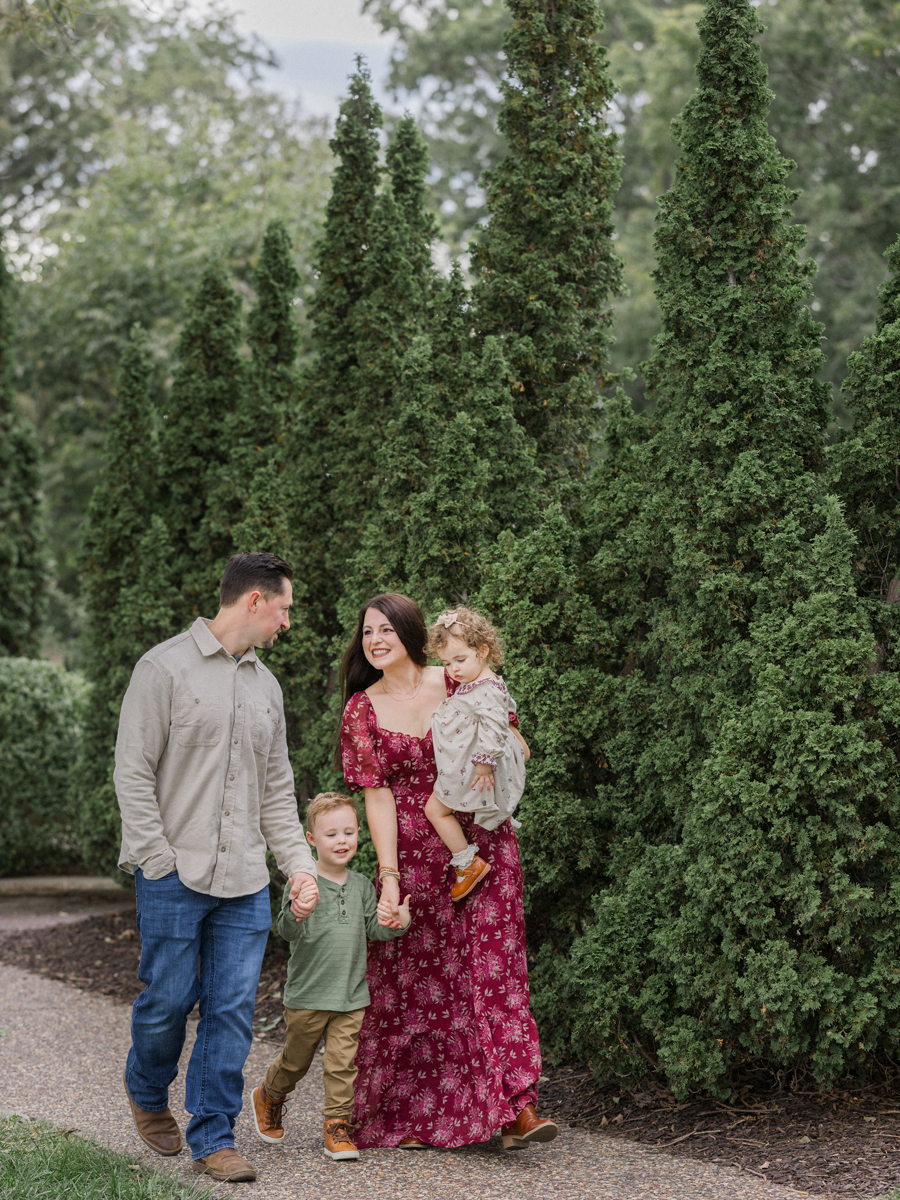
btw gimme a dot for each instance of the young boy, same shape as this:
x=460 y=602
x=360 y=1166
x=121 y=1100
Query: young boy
x=326 y=989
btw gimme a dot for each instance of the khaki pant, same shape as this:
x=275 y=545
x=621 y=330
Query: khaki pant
x=305 y=1027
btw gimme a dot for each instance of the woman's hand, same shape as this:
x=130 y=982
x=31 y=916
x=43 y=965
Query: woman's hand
x=384 y=914
x=484 y=777
x=389 y=904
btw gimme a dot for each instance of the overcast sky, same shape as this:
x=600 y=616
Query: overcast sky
x=316 y=41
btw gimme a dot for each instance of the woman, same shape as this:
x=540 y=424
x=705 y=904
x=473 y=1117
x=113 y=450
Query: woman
x=448 y=1051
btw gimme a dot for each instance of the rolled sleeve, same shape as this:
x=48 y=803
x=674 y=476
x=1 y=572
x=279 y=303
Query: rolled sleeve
x=143 y=733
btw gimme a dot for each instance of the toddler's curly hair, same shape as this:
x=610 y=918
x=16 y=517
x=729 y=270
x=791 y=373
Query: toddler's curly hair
x=470 y=627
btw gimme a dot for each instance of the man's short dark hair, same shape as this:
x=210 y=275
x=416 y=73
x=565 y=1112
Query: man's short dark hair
x=262 y=572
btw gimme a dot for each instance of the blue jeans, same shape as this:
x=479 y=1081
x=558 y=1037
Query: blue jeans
x=178 y=926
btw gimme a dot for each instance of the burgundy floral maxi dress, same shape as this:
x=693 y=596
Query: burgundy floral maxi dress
x=448 y=1050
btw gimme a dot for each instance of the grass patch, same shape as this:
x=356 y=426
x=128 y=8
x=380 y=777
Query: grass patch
x=39 y=1162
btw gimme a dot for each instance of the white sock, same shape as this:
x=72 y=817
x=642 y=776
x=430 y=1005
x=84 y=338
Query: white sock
x=464 y=858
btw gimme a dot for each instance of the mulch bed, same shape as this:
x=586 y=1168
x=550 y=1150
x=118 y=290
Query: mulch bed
x=845 y=1143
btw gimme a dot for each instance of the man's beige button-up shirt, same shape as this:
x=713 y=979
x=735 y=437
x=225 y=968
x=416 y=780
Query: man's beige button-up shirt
x=202 y=772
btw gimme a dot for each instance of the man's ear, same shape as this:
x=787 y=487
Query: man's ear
x=253 y=599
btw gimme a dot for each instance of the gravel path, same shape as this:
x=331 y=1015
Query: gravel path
x=61 y=1057
x=19 y=913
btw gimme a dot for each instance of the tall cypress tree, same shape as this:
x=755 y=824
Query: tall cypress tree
x=868 y=462
x=748 y=914
x=23 y=553
x=546 y=262
x=453 y=467
x=129 y=598
x=195 y=443
x=316 y=442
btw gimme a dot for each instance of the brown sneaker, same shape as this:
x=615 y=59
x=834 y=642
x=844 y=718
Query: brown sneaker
x=469 y=878
x=225 y=1165
x=158 y=1129
x=268 y=1111
x=338 y=1142
x=527 y=1128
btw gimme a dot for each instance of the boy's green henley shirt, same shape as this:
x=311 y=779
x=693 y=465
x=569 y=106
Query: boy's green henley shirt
x=327 y=967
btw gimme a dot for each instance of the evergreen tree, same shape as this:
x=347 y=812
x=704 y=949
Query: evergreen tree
x=23 y=556
x=454 y=469
x=747 y=914
x=546 y=262
x=868 y=461
x=128 y=593
x=374 y=280
x=195 y=445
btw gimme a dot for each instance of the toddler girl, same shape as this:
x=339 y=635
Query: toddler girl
x=480 y=761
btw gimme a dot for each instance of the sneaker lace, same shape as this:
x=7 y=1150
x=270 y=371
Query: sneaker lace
x=340 y=1131
x=274 y=1110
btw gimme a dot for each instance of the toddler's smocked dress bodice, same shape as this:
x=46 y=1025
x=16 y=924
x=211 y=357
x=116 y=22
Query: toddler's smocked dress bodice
x=469 y=727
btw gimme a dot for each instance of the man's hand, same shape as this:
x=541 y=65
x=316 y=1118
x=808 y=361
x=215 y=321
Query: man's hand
x=484 y=777
x=304 y=895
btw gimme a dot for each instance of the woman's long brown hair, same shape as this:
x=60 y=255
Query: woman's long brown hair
x=357 y=673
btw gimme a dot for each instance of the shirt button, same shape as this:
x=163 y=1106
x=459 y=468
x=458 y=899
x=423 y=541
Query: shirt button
x=231 y=777
x=235 y=741
x=239 y=706
x=227 y=813
x=223 y=848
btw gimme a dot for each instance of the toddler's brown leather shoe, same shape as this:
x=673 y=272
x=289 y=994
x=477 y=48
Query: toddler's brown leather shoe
x=338 y=1142
x=469 y=877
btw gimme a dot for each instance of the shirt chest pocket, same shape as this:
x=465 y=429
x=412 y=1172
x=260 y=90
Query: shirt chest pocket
x=262 y=727
x=197 y=720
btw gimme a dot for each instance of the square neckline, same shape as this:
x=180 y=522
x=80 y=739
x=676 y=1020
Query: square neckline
x=396 y=732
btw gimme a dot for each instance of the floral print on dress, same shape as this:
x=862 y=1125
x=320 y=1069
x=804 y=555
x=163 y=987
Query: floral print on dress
x=448 y=1050
x=472 y=726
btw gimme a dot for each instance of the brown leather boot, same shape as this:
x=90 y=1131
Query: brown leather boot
x=338 y=1142
x=527 y=1128
x=225 y=1165
x=158 y=1129
x=268 y=1113
x=469 y=878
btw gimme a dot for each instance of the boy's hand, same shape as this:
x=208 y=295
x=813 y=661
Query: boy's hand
x=304 y=895
x=391 y=916
x=484 y=777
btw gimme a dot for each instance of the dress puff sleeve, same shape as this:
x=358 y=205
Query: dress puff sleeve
x=452 y=685
x=362 y=766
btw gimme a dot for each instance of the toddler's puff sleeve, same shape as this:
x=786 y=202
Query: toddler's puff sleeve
x=362 y=766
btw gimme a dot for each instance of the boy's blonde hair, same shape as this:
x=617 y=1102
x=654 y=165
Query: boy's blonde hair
x=327 y=802
x=470 y=627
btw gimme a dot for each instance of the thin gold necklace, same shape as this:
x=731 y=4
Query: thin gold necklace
x=399 y=695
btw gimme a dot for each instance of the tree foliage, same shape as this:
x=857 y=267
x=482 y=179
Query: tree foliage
x=867 y=459
x=545 y=262
x=735 y=826
x=130 y=596
x=23 y=550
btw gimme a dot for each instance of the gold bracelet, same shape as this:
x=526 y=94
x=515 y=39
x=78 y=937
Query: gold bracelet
x=388 y=873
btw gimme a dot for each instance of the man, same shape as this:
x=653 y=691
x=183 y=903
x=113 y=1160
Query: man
x=204 y=784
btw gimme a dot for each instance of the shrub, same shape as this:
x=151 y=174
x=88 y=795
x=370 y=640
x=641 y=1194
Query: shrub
x=41 y=709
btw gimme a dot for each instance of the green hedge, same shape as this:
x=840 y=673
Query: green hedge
x=41 y=707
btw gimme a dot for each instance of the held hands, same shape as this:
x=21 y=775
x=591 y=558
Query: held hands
x=385 y=918
x=484 y=777
x=304 y=895
x=389 y=907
